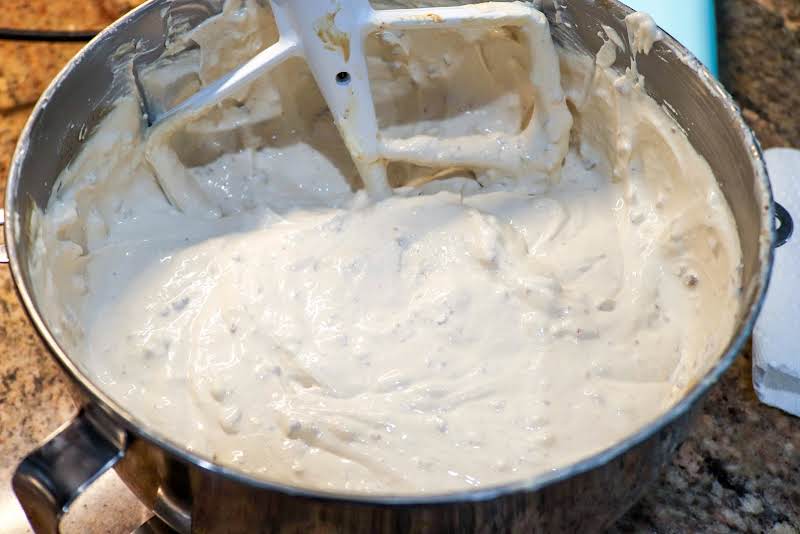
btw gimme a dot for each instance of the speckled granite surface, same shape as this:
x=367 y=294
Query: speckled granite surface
x=740 y=470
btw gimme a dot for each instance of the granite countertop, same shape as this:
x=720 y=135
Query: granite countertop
x=740 y=469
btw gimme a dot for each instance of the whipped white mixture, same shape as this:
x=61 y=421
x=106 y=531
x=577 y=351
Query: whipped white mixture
x=472 y=329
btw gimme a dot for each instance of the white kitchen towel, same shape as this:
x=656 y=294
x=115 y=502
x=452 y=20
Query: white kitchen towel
x=776 y=339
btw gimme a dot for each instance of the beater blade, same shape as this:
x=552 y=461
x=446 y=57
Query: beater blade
x=330 y=35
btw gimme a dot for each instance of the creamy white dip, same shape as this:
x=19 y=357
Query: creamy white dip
x=478 y=329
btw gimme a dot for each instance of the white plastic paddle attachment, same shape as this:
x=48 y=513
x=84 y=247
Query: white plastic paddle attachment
x=330 y=36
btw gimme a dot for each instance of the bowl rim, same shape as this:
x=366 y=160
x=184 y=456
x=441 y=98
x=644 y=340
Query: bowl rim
x=139 y=428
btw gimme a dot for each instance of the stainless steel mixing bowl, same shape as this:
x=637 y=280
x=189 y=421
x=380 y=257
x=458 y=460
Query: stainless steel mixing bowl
x=191 y=493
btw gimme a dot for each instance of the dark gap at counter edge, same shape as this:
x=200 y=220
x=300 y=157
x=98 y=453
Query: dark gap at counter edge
x=53 y=36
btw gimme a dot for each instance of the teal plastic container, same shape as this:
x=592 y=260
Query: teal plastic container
x=692 y=22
